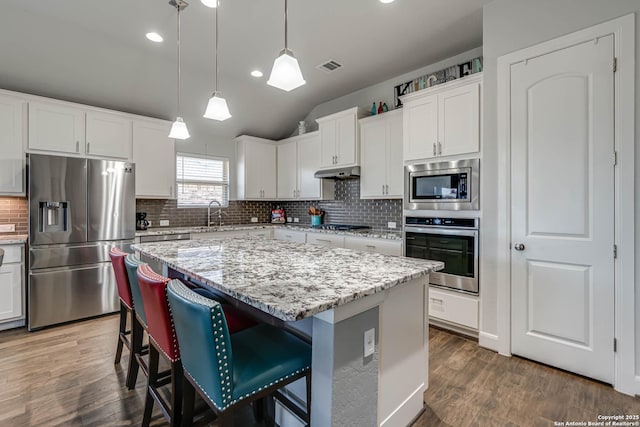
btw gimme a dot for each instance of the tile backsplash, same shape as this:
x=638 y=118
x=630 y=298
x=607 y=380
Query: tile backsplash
x=347 y=208
x=15 y=210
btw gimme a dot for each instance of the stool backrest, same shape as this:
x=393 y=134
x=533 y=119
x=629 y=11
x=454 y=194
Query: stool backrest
x=131 y=263
x=153 y=288
x=117 y=261
x=205 y=341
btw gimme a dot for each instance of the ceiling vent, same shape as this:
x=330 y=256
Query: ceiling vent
x=329 y=66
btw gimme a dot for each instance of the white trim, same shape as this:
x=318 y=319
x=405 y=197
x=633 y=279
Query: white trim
x=410 y=406
x=623 y=29
x=489 y=341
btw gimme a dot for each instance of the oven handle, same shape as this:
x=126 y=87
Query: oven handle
x=441 y=230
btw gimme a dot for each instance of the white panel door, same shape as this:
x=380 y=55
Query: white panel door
x=287 y=170
x=11 y=290
x=421 y=128
x=459 y=120
x=562 y=140
x=56 y=127
x=373 y=179
x=108 y=135
x=12 y=158
x=260 y=170
x=328 y=142
x=346 y=150
x=309 y=153
x=395 y=167
x=155 y=158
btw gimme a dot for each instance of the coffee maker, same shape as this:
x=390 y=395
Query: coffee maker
x=141 y=221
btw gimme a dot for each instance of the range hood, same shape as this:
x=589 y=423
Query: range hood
x=349 y=172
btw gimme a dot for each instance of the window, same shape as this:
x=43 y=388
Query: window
x=201 y=179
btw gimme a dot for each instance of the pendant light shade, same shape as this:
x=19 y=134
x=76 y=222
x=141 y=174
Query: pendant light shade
x=179 y=127
x=217 y=108
x=210 y=3
x=286 y=74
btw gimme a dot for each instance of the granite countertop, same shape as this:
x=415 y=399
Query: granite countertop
x=13 y=239
x=177 y=230
x=371 y=233
x=288 y=280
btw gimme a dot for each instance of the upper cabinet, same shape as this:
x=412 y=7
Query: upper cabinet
x=12 y=136
x=56 y=128
x=339 y=139
x=256 y=168
x=108 y=135
x=443 y=120
x=155 y=159
x=298 y=160
x=381 y=156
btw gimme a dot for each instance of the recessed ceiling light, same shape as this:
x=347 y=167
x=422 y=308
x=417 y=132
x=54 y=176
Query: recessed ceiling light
x=256 y=73
x=154 y=37
x=386 y=1
x=210 y=3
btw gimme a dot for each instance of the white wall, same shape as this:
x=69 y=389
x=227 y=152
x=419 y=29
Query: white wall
x=510 y=25
x=382 y=91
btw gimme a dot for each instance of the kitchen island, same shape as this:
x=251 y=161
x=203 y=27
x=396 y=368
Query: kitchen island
x=335 y=296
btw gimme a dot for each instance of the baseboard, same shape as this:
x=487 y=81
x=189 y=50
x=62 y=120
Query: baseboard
x=463 y=330
x=407 y=410
x=488 y=341
x=13 y=324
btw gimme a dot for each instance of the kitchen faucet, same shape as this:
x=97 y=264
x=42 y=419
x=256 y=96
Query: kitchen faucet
x=220 y=213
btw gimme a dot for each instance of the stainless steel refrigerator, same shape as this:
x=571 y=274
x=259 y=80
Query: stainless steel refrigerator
x=78 y=209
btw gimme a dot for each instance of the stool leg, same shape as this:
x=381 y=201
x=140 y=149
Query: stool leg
x=136 y=347
x=188 y=402
x=176 y=393
x=123 y=328
x=308 y=381
x=154 y=357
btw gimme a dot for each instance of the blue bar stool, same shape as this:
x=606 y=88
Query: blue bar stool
x=231 y=370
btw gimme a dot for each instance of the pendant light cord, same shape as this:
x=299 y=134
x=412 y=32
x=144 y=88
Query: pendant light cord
x=178 y=4
x=285 y=26
x=217 y=69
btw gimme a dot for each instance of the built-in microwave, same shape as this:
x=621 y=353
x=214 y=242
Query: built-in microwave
x=449 y=185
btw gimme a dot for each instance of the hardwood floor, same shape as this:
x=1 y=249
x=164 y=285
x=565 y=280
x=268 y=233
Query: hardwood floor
x=65 y=376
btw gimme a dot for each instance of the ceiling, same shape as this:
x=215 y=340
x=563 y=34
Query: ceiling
x=95 y=52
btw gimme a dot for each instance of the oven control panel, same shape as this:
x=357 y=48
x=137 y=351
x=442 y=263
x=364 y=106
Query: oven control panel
x=442 y=222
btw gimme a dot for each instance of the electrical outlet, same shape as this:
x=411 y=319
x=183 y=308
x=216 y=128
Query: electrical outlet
x=391 y=224
x=149 y=225
x=289 y=219
x=369 y=342
x=164 y=222
x=7 y=228
x=296 y=219
x=254 y=219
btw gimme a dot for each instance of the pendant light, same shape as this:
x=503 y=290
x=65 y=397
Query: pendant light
x=217 y=108
x=179 y=127
x=286 y=74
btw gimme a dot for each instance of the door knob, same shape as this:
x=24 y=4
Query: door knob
x=519 y=246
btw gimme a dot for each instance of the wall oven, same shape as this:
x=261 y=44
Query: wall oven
x=453 y=241
x=449 y=185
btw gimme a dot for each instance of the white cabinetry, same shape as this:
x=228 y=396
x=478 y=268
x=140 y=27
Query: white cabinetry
x=155 y=159
x=339 y=139
x=443 y=120
x=453 y=308
x=379 y=246
x=108 y=135
x=326 y=239
x=290 y=235
x=12 y=135
x=56 y=128
x=12 y=287
x=217 y=235
x=381 y=156
x=256 y=168
x=298 y=160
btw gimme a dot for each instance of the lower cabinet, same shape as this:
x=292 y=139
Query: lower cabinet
x=325 y=239
x=290 y=235
x=454 y=308
x=379 y=246
x=12 y=287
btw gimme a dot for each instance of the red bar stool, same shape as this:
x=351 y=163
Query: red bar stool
x=127 y=309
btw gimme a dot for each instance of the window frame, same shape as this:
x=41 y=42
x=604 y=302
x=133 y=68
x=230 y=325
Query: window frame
x=226 y=163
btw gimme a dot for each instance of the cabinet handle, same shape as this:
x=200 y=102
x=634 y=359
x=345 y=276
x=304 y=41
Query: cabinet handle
x=88 y=147
x=323 y=240
x=77 y=146
x=382 y=188
x=371 y=246
x=386 y=189
x=434 y=148
x=439 y=148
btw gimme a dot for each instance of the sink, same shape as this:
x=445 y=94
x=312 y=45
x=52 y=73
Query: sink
x=1 y=256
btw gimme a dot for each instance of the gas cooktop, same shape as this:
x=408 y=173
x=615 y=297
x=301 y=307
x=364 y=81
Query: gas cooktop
x=341 y=227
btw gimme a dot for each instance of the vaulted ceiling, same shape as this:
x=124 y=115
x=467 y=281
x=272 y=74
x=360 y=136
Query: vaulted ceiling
x=95 y=52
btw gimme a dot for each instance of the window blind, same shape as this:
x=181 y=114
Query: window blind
x=201 y=179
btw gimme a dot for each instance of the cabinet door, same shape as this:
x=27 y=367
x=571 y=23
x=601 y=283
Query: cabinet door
x=325 y=239
x=421 y=128
x=155 y=159
x=287 y=170
x=57 y=128
x=379 y=246
x=11 y=291
x=12 y=157
x=459 y=120
x=260 y=170
x=289 y=235
x=346 y=147
x=108 y=135
x=309 y=154
x=328 y=143
x=374 y=158
x=395 y=166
